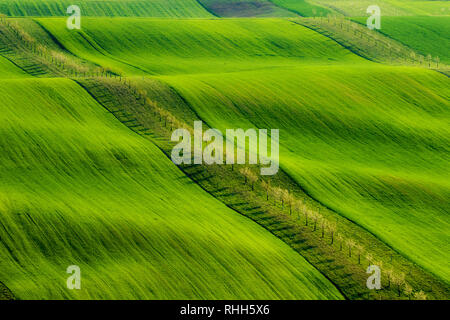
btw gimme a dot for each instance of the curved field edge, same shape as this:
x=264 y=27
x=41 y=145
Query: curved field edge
x=80 y=188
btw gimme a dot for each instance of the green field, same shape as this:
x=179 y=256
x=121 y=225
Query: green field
x=303 y=8
x=367 y=141
x=380 y=160
x=425 y=35
x=64 y=158
x=388 y=7
x=138 y=46
x=109 y=8
x=9 y=70
x=245 y=8
x=376 y=151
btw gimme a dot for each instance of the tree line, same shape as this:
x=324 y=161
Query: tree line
x=311 y=217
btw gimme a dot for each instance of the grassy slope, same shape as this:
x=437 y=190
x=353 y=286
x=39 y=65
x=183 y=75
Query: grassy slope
x=373 y=148
x=381 y=160
x=304 y=8
x=245 y=8
x=127 y=8
x=196 y=46
x=9 y=70
x=264 y=8
x=388 y=7
x=426 y=35
x=63 y=161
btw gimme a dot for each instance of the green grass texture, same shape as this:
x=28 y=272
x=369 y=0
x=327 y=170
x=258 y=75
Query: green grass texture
x=303 y=8
x=149 y=46
x=79 y=188
x=426 y=34
x=245 y=8
x=388 y=7
x=369 y=141
x=109 y=8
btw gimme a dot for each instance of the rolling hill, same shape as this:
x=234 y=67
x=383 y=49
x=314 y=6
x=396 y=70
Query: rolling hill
x=426 y=35
x=80 y=188
x=150 y=46
x=388 y=7
x=368 y=143
x=374 y=165
x=108 y=8
x=304 y=8
x=245 y=8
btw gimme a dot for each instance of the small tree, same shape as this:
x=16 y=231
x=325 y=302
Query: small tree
x=284 y=196
x=413 y=56
x=350 y=243
x=407 y=290
x=266 y=186
x=290 y=199
x=429 y=60
x=307 y=214
x=252 y=177
x=340 y=239
x=420 y=295
x=298 y=207
x=389 y=274
x=332 y=228
x=324 y=225
x=421 y=59
x=359 y=249
x=369 y=258
x=314 y=216
x=437 y=61
x=276 y=193
x=398 y=280
x=245 y=172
